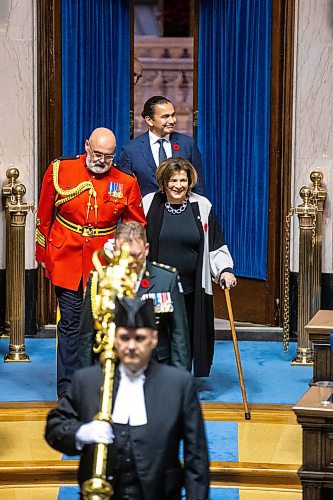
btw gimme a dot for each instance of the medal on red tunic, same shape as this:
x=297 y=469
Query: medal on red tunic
x=116 y=190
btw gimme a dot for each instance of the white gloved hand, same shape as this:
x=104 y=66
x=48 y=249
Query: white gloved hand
x=96 y=431
x=109 y=247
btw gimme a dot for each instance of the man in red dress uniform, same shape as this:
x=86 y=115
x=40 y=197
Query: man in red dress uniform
x=81 y=202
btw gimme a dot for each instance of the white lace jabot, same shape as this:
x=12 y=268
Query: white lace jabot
x=130 y=406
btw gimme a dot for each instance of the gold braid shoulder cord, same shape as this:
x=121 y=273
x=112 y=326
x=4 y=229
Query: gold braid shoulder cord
x=69 y=194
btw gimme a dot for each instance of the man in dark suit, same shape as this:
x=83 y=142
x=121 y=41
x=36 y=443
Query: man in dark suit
x=156 y=281
x=154 y=408
x=143 y=154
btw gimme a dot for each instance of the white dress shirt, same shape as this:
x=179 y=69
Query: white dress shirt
x=155 y=146
x=130 y=405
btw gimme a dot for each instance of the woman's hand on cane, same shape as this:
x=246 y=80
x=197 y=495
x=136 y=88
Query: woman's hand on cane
x=227 y=280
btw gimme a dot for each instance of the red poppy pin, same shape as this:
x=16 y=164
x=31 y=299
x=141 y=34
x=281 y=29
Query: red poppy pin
x=176 y=147
x=145 y=283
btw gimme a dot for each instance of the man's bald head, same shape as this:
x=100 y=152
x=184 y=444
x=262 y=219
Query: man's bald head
x=100 y=149
x=103 y=139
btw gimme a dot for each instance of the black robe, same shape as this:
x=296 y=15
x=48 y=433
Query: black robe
x=215 y=261
x=173 y=414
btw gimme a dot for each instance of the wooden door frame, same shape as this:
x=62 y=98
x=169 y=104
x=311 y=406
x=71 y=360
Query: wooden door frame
x=259 y=301
x=261 y=306
x=49 y=122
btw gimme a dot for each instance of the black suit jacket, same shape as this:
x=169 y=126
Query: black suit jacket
x=137 y=158
x=173 y=339
x=173 y=414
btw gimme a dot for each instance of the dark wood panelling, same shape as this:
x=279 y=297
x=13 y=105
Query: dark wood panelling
x=250 y=302
x=49 y=120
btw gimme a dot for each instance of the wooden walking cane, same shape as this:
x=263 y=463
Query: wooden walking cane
x=238 y=360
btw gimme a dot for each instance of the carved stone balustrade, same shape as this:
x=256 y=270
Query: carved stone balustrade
x=167 y=71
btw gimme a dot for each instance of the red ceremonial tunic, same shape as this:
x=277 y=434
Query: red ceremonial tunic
x=67 y=254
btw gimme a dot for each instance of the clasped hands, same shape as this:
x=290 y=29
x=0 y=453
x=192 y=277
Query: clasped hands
x=227 y=280
x=96 y=431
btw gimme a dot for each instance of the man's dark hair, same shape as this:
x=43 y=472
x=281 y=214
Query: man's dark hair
x=149 y=106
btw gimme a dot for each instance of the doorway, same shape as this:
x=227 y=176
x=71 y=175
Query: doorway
x=254 y=300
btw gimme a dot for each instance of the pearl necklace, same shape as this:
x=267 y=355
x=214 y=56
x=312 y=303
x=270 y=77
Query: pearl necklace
x=176 y=211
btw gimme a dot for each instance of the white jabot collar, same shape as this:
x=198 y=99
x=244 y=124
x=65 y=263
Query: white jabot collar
x=130 y=405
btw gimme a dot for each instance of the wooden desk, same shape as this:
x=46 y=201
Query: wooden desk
x=316 y=473
x=319 y=329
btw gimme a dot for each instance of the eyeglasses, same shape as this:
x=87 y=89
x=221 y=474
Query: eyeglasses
x=99 y=156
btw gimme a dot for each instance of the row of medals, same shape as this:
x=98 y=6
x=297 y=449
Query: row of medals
x=116 y=194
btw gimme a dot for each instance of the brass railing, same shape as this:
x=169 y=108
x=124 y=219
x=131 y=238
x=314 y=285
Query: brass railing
x=310 y=218
x=16 y=213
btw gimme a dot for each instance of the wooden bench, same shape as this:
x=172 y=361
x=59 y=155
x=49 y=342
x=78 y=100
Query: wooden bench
x=319 y=329
x=316 y=419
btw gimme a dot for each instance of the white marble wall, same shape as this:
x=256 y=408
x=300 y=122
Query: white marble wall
x=17 y=107
x=313 y=111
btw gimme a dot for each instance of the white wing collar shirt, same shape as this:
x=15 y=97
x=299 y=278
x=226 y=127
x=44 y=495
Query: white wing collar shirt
x=130 y=405
x=155 y=146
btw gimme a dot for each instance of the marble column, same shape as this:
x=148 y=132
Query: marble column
x=18 y=112
x=313 y=111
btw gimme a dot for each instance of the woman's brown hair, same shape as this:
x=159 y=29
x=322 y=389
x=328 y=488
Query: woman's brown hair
x=168 y=167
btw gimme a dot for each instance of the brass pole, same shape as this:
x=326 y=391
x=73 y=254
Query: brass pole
x=16 y=274
x=306 y=217
x=318 y=198
x=7 y=193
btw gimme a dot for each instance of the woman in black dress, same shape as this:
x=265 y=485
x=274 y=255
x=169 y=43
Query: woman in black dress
x=183 y=232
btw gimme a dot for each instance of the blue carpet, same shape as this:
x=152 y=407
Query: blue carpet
x=70 y=457
x=222 y=439
x=72 y=493
x=268 y=374
x=269 y=377
x=224 y=494
x=33 y=381
x=69 y=493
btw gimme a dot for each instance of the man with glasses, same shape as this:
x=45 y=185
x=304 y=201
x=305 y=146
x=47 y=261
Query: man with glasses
x=81 y=202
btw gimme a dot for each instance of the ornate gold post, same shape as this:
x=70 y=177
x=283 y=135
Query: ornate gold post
x=306 y=216
x=7 y=193
x=17 y=210
x=114 y=280
x=318 y=198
